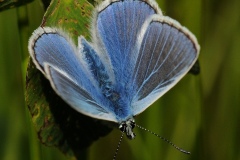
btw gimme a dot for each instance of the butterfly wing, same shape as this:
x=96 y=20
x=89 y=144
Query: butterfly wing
x=147 y=52
x=137 y=56
x=167 y=51
x=68 y=71
x=74 y=95
x=115 y=28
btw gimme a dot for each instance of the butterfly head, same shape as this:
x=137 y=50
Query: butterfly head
x=127 y=127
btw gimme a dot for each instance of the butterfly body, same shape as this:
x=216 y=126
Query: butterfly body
x=136 y=55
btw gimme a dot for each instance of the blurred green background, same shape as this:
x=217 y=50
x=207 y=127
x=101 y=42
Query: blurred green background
x=200 y=114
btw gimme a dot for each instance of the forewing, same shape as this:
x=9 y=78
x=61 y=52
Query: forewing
x=50 y=45
x=167 y=52
x=57 y=58
x=115 y=29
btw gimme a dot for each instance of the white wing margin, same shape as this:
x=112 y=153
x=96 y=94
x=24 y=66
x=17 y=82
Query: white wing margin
x=56 y=56
x=74 y=95
x=167 y=51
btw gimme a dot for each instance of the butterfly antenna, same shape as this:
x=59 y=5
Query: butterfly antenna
x=118 y=146
x=164 y=139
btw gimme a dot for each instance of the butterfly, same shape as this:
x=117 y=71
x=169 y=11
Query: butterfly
x=135 y=56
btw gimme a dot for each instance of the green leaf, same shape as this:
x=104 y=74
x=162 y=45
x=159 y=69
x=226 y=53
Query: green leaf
x=72 y=16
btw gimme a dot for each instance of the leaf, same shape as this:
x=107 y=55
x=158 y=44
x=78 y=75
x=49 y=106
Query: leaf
x=70 y=15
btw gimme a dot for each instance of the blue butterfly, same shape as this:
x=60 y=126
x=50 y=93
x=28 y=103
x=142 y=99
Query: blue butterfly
x=136 y=55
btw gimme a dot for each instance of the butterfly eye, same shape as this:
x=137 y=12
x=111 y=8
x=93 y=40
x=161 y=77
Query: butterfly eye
x=133 y=124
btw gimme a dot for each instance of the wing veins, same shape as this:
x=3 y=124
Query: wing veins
x=178 y=53
x=131 y=38
x=160 y=84
x=100 y=108
x=138 y=65
x=158 y=87
x=114 y=20
x=145 y=80
x=161 y=54
x=152 y=52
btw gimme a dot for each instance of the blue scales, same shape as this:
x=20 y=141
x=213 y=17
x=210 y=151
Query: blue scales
x=136 y=55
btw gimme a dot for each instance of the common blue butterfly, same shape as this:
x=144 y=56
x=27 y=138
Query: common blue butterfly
x=136 y=55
